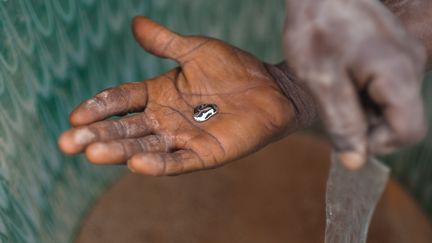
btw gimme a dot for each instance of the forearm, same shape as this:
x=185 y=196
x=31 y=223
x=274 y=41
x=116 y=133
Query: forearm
x=416 y=16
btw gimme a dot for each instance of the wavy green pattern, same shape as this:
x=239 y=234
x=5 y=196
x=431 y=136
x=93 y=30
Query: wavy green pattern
x=53 y=54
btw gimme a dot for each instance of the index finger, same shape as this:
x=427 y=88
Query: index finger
x=130 y=97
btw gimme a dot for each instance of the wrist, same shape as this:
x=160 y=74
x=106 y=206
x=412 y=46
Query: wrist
x=303 y=103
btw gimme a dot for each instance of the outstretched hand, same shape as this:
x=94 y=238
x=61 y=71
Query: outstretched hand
x=160 y=136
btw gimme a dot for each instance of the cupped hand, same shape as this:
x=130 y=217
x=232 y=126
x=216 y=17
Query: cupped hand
x=154 y=127
x=363 y=70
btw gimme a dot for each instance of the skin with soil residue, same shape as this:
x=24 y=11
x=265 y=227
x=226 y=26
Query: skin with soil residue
x=356 y=57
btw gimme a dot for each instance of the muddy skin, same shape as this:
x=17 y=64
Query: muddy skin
x=354 y=55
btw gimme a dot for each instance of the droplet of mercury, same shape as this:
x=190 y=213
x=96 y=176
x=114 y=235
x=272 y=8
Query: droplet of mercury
x=204 y=112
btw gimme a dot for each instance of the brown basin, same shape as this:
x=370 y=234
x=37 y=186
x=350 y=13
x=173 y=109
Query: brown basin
x=276 y=195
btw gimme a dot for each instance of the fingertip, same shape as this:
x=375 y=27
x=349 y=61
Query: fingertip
x=131 y=169
x=97 y=153
x=139 y=24
x=88 y=111
x=145 y=164
x=352 y=160
x=137 y=20
x=66 y=144
x=73 y=141
x=77 y=119
x=157 y=39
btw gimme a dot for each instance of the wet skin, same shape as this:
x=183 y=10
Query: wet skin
x=160 y=137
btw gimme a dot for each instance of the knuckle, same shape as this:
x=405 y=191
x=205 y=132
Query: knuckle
x=321 y=82
x=420 y=54
x=420 y=132
x=398 y=63
x=408 y=134
x=122 y=94
x=95 y=102
x=154 y=140
x=391 y=58
x=143 y=145
x=410 y=126
x=121 y=128
x=398 y=71
x=104 y=94
x=150 y=120
x=418 y=51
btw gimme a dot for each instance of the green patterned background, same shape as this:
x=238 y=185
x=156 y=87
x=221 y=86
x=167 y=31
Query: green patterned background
x=413 y=166
x=55 y=53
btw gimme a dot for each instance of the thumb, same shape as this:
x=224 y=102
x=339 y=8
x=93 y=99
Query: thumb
x=160 y=41
x=343 y=117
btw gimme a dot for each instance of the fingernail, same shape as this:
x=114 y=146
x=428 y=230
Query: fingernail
x=129 y=166
x=352 y=160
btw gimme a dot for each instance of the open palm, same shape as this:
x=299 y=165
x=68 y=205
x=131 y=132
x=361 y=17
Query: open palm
x=160 y=136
